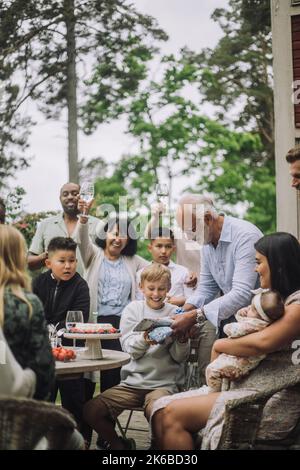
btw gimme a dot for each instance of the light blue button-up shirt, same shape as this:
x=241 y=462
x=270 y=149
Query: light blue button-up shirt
x=228 y=268
x=114 y=287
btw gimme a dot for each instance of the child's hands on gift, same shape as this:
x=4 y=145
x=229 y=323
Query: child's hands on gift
x=158 y=335
x=151 y=342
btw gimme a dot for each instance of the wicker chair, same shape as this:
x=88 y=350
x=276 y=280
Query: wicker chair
x=242 y=416
x=242 y=421
x=24 y=422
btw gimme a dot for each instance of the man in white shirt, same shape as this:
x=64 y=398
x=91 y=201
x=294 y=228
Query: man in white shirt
x=161 y=247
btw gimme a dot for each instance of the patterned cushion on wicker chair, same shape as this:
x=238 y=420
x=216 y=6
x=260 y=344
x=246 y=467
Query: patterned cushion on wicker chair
x=24 y=422
x=239 y=416
x=242 y=424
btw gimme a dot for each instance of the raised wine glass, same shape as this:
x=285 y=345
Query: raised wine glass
x=87 y=192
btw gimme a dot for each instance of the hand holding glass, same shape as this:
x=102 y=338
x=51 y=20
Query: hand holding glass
x=87 y=192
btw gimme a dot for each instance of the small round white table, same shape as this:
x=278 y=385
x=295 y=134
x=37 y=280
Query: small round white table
x=110 y=360
x=92 y=342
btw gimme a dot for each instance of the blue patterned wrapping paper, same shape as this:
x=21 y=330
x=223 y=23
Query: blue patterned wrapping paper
x=160 y=333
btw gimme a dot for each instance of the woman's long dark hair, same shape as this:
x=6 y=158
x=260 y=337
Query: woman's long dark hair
x=125 y=228
x=282 y=251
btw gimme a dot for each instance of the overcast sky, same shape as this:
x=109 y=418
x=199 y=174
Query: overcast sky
x=187 y=22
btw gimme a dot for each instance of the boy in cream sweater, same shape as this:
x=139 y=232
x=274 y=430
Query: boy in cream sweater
x=155 y=370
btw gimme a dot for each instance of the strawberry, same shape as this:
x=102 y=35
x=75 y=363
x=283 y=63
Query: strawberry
x=69 y=354
x=61 y=356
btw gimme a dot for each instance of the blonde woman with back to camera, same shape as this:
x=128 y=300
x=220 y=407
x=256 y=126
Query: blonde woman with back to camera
x=21 y=313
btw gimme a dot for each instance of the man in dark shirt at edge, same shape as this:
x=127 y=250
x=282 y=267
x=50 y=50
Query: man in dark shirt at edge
x=61 y=289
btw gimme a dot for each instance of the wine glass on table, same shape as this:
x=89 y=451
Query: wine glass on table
x=87 y=192
x=73 y=317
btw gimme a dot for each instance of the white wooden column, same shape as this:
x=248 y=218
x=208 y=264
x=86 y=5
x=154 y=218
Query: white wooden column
x=285 y=133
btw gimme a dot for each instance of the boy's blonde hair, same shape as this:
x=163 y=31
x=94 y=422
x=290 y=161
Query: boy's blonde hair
x=156 y=272
x=13 y=266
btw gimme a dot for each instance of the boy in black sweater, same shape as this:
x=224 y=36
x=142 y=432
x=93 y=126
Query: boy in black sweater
x=61 y=289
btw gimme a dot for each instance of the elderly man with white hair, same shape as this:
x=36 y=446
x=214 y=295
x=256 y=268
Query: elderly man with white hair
x=227 y=265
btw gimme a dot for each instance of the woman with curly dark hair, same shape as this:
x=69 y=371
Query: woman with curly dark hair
x=110 y=271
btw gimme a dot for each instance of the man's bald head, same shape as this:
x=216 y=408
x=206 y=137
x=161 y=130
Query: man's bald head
x=70 y=186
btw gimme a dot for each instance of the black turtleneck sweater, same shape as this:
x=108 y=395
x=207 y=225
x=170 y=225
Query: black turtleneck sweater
x=60 y=296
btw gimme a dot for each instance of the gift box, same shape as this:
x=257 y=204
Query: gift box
x=160 y=334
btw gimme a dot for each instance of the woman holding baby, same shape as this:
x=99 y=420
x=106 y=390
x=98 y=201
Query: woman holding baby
x=176 y=419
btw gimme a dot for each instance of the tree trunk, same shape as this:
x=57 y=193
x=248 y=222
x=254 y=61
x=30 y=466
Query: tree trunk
x=71 y=91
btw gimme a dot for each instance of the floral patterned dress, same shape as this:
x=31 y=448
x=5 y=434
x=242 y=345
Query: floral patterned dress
x=28 y=339
x=234 y=367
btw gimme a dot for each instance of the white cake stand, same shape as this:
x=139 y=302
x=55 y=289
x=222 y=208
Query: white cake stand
x=92 y=342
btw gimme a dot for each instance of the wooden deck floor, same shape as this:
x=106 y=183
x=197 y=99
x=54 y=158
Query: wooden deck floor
x=138 y=429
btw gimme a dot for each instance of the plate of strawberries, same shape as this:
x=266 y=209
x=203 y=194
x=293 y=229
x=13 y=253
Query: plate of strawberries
x=63 y=354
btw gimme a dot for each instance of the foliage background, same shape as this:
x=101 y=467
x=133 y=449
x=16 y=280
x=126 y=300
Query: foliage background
x=229 y=154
